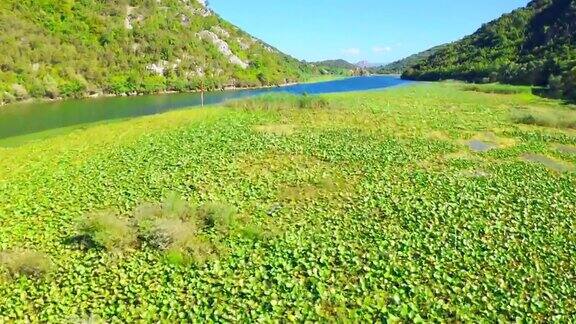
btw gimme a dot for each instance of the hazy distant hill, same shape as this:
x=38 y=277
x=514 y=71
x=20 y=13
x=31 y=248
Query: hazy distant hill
x=78 y=48
x=401 y=65
x=535 y=45
x=340 y=64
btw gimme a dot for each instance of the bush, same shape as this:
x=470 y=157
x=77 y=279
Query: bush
x=175 y=228
x=172 y=226
x=555 y=86
x=106 y=229
x=167 y=233
x=253 y=232
x=569 y=81
x=26 y=263
x=216 y=216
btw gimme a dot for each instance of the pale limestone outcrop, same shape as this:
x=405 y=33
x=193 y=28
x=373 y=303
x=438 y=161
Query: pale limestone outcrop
x=222 y=47
x=131 y=17
x=220 y=31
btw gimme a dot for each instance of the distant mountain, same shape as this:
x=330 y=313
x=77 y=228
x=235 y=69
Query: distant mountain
x=60 y=49
x=401 y=65
x=535 y=45
x=341 y=64
x=367 y=65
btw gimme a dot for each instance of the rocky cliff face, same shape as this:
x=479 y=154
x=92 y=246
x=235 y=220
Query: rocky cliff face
x=78 y=48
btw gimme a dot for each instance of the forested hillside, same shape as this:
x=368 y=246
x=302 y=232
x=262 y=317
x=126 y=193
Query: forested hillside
x=334 y=67
x=535 y=45
x=400 y=66
x=338 y=64
x=76 y=48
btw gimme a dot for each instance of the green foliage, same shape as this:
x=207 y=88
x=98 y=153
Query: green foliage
x=375 y=211
x=533 y=46
x=25 y=263
x=92 y=47
x=106 y=229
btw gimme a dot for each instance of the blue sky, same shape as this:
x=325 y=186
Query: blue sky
x=379 y=31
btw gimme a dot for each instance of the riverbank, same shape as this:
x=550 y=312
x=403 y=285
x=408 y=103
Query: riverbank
x=39 y=117
x=136 y=94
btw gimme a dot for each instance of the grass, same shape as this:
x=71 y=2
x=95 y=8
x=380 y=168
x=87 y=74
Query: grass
x=369 y=208
x=107 y=230
x=22 y=262
x=498 y=88
x=556 y=118
x=279 y=101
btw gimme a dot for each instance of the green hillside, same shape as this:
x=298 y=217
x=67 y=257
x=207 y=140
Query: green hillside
x=78 y=48
x=340 y=64
x=400 y=66
x=535 y=45
x=334 y=67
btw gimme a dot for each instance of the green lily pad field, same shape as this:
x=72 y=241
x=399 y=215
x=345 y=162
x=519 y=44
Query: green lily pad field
x=369 y=207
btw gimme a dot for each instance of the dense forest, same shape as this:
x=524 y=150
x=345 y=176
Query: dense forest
x=535 y=45
x=77 y=48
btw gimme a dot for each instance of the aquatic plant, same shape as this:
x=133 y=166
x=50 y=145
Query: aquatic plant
x=375 y=211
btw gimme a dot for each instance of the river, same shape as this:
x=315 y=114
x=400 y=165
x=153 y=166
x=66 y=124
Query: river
x=28 y=118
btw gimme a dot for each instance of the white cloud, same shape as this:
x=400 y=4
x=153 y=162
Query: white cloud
x=381 y=49
x=351 y=51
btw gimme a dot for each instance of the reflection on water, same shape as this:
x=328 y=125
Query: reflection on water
x=480 y=146
x=566 y=149
x=546 y=161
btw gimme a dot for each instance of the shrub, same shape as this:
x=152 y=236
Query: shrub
x=555 y=86
x=569 y=81
x=26 y=263
x=172 y=227
x=175 y=228
x=166 y=225
x=106 y=229
x=216 y=216
x=167 y=233
x=200 y=250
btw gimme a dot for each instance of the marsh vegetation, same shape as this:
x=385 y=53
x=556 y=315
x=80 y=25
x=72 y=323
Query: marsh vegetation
x=354 y=206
